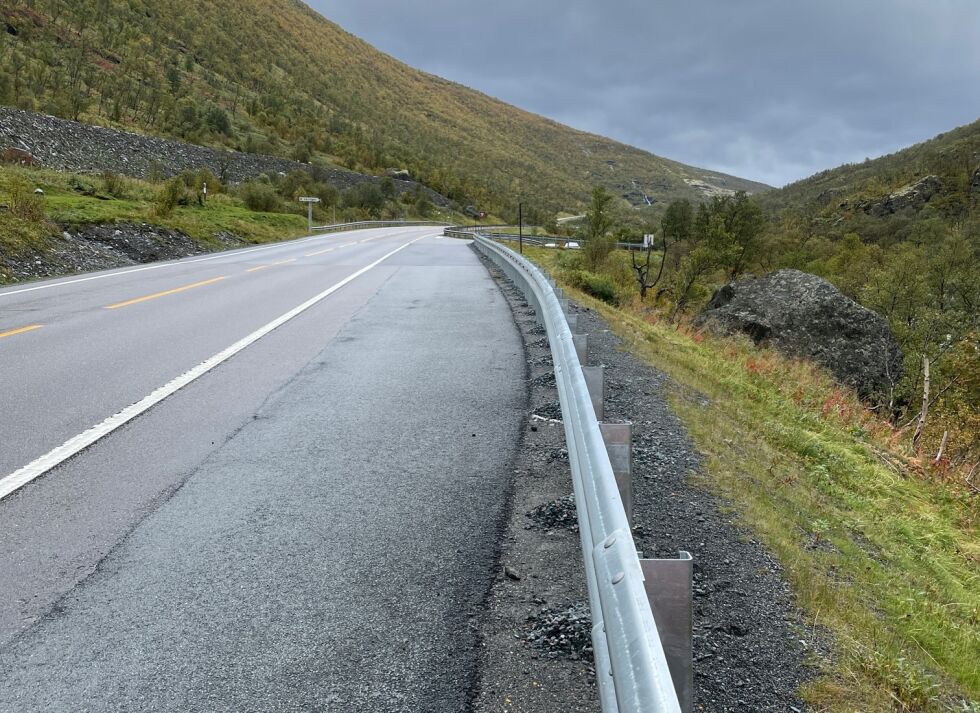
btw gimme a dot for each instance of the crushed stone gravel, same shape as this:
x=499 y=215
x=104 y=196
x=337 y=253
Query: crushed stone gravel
x=562 y=632
x=559 y=513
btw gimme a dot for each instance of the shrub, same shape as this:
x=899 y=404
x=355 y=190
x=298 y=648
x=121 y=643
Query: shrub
x=156 y=173
x=423 y=206
x=114 y=184
x=599 y=286
x=172 y=194
x=217 y=120
x=363 y=195
x=25 y=203
x=260 y=197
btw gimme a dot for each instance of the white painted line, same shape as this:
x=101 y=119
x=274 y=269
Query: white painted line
x=224 y=253
x=83 y=440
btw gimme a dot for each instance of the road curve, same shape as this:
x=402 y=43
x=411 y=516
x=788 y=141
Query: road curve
x=305 y=525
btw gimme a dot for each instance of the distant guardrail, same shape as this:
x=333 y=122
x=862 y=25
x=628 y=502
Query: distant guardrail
x=363 y=224
x=640 y=668
x=542 y=241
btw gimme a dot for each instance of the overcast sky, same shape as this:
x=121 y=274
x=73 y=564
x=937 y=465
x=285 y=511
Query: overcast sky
x=772 y=90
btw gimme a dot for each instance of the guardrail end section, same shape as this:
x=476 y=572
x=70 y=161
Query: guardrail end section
x=618 y=438
x=668 y=584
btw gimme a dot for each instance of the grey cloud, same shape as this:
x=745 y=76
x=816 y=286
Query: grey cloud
x=767 y=89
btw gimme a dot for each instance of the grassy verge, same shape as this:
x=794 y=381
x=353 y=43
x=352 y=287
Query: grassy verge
x=887 y=562
x=71 y=199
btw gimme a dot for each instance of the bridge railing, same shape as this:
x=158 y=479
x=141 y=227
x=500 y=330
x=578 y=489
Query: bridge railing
x=632 y=668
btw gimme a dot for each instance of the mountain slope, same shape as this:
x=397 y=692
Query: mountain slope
x=938 y=179
x=275 y=77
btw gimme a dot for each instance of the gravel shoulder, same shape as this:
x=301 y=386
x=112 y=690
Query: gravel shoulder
x=535 y=654
x=750 y=642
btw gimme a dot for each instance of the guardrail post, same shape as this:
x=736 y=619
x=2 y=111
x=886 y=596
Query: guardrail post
x=596 y=383
x=668 y=584
x=619 y=445
x=581 y=344
x=572 y=320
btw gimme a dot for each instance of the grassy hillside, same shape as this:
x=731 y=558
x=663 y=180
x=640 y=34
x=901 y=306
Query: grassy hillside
x=843 y=199
x=272 y=76
x=880 y=545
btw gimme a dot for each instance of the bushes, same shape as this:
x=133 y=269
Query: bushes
x=599 y=286
x=25 y=203
x=173 y=193
x=260 y=196
x=114 y=184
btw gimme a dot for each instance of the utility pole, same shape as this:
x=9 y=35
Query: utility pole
x=520 y=225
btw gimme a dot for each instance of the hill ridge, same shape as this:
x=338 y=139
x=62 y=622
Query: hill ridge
x=275 y=77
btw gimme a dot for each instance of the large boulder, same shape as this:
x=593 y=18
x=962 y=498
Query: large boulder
x=804 y=315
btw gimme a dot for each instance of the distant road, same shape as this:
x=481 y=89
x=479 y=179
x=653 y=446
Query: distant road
x=300 y=455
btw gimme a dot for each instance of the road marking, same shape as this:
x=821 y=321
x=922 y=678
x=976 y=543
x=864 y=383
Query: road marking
x=20 y=330
x=174 y=291
x=223 y=254
x=319 y=252
x=66 y=450
x=271 y=264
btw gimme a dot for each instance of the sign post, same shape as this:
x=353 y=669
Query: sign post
x=309 y=200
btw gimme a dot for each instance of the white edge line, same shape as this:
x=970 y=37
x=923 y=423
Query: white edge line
x=221 y=254
x=83 y=440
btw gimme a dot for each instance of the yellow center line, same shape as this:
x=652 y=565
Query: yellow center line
x=271 y=264
x=202 y=283
x=20 y=330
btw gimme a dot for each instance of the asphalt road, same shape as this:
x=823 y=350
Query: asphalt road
x=308 y=525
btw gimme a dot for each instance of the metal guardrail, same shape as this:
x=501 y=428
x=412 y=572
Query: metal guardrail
x=554 y=241
x=631 y=665
x=363 y=224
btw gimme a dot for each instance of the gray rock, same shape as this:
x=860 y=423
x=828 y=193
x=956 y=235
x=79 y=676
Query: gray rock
x=914 y=195
x=975 y=181
x=804 y=315
x=73 y=146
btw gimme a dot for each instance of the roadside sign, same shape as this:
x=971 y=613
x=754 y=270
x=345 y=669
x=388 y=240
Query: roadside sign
x=309 y=200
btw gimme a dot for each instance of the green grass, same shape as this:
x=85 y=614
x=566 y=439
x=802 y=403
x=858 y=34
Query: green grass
x=881 y=559
x=64 y=206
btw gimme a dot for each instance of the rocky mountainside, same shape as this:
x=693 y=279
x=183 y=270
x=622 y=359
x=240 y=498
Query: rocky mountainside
x=938 y=179
x=274 y=76
x=74 y=146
